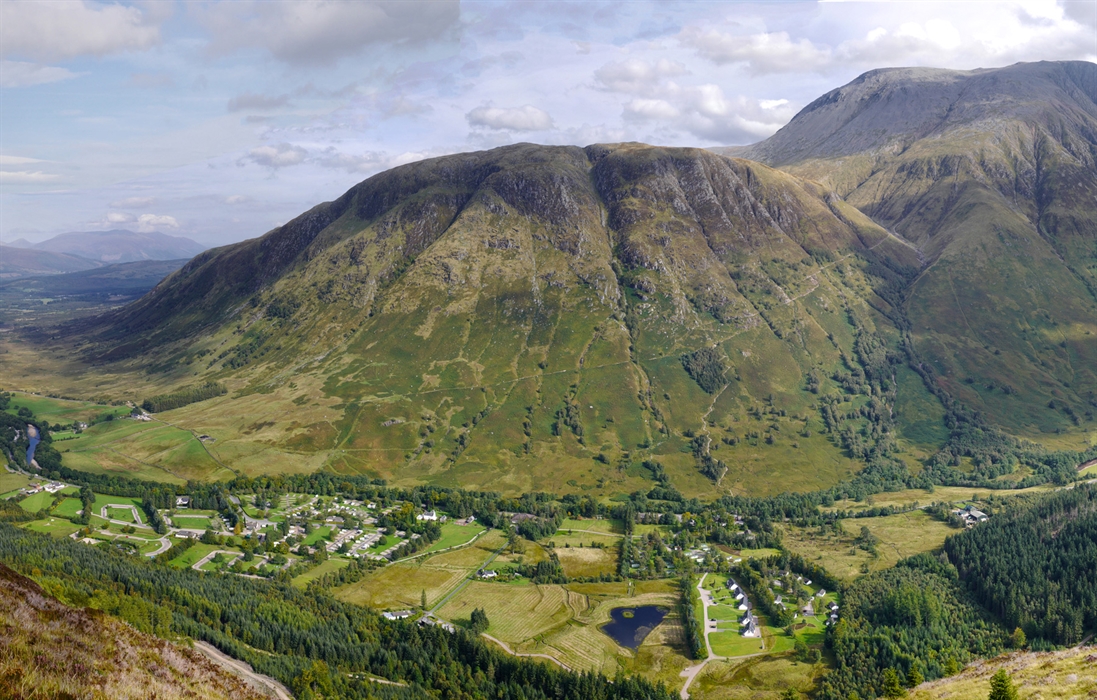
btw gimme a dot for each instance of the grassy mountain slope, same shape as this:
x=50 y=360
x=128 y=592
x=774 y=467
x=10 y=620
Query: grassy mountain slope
x=517 y=319
x=992 y=174
x=49 y=650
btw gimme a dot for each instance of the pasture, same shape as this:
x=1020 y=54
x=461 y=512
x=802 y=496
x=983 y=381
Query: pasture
x=900 y=536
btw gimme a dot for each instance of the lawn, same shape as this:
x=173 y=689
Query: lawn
x=316 y=572
x=53 y=526
x=36 y=502
x=191 y=522
x=453 y=535
x=318 y=534
x=69 y=508
x=948 y=494
x=192 y=555
x=758 y=553
x=125 y=514
x=731 y=643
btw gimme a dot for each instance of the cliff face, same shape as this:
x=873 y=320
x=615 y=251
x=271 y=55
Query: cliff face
x=992 y=174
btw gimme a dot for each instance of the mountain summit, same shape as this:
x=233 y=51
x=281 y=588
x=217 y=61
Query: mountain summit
x=992 y=174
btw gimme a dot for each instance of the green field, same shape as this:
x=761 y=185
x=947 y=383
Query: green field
x=611 y=527
x=36 y=502
x=319 y=570
x=320 y=533
x=58 y=527
x=194 y=554
x=69 y=508
x=453 y=535
x=193 y=522
x=10 y=481
x=64 y=411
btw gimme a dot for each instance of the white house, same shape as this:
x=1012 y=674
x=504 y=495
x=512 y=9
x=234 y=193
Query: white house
x=486 y=573
x=429 y=515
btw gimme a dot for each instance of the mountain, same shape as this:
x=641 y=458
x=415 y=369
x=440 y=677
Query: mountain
x=20 y=243
x=119 y=246
x=544 y=317
x=992 y=174
x=127 y=279
x=48 y=649
x=23 y=262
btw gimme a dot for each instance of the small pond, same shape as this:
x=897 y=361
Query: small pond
x=629 y=626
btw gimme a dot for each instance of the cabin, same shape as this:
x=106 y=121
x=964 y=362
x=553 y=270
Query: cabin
x=182 y=501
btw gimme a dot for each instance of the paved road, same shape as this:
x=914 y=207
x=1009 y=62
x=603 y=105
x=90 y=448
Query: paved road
x=264 y=683
x=165 y=545
x=692 y=672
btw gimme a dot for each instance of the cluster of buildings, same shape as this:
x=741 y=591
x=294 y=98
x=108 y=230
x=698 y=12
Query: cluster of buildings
x=748 y=623
x=970 y=516
x=48 y=487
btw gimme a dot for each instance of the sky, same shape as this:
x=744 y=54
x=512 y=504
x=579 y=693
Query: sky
x=221 y=120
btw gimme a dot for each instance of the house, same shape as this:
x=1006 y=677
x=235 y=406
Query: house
x=435 y=622
x=429 y=515
x=486 y=573
x=397 y=615
x=182 y=501
x=820 y=593
x=833 y=607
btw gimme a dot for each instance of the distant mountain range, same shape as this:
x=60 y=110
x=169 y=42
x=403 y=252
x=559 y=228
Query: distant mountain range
x=920 y=255
x=71 y=252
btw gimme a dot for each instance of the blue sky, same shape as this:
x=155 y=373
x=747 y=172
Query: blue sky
x=221 y=120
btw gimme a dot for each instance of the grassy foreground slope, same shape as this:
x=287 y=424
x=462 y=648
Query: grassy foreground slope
x=1055 y=675
x=48 y=649
x=992 y=174
x=520 y=319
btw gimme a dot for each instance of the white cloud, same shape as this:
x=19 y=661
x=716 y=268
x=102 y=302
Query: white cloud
x=151 y=222
x=645 y=109
x=63 y=29
x=18 y=160
x=705 y=112
x=764 y=53
x=318 y=32
x=524 y=118
x=119 y=217
x=26 y=176
x=279 y=156
x=134 y=203
x=15 y=74
x=235 y=199
x=636 y=76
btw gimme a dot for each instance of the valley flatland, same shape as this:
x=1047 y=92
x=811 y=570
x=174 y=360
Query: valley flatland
x=822 y=406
